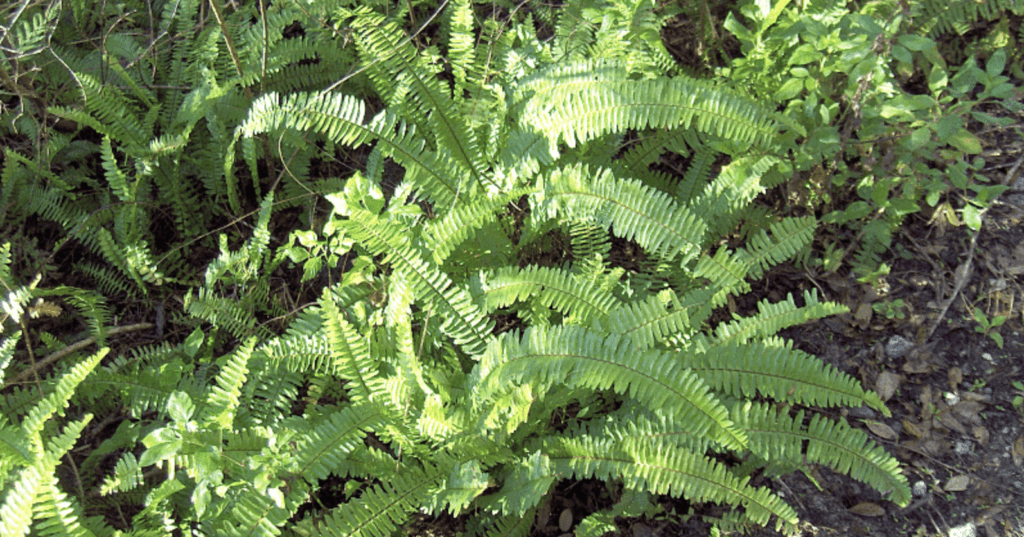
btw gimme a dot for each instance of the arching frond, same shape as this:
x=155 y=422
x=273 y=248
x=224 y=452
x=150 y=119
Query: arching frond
x=663 y=103
x=578 y=300
x=323 y=450
x=755 y=369
x=577 y=357
x=772 y=318
x=663 y=468
x=776 y=436
x=630 y=209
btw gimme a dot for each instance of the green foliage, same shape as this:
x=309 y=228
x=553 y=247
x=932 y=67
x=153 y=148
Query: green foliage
x=858 y=130
x=890 y=309
x=455 y=336
x=989 y=327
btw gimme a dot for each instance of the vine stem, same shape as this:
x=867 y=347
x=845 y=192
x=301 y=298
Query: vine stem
x=961 y=276
x=57 y=355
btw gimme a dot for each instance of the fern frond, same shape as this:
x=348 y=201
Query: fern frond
x=221 y=312
x=461 y=51
x=222 y=403
x=306 y=352
x=960 y=15
x=631 y=209
x=529 y=480
x=633 y=420
x=350 y=356
x=589 y=241
x=723 y=201
x=577 y=357
x=653 y=320
x=544 y=88
x=787 y=238
x=777 y=437
x=462 y=319
x=579 y=300
x=663 y=468
x=663 y=103
x=522 y=155
x=392 y=57
x=771 y=318
x=501 y=526
x=459 y=488
x=254 y=515
x=698 y=174
x=7 y=350
x=379 y=510
x=14 y=450
x=56 y=401
x=642 y=153
x=16 y=509
x=322 y=451
x=340 y=118
x=762 y=369
x=109 y=112
x=127 y=476
x=56 y=513
x=442 y=235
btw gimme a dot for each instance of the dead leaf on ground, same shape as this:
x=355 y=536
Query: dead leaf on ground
x=975 y=396
x=926 y=396
x=882 y=430
x=867 y=509
x=863 y=315
x=918 y=366
x=936 y=447
x=957 y=483
x=1018 y=450
x=913 y=429
x=955 y=376
x=948 y=421
x=887 y=384
x=969 y=411
x=981 y=434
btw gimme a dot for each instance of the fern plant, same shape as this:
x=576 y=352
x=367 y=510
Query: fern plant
x=454 y=359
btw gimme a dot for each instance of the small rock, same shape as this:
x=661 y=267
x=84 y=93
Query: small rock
x=920 y=489
x=565 y=520
x=861 y=412
x=962 y=447
x=965 y=530
x=898 y=346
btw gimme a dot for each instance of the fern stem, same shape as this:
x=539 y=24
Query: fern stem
x=31 y=357
x=57 y=355
x=227 y=39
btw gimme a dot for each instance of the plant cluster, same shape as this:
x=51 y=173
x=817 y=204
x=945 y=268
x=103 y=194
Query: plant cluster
x=877 y=114
x=408 y=280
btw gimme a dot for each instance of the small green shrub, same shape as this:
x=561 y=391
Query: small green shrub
x=859 y=131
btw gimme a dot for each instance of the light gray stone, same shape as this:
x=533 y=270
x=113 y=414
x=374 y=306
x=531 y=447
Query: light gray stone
x=964 y=530
x=920 y=489
x=898 y=346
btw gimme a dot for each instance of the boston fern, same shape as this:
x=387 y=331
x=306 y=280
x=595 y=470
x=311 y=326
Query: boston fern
x=479 y=333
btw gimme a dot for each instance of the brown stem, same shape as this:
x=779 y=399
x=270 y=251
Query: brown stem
x=57 y=355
